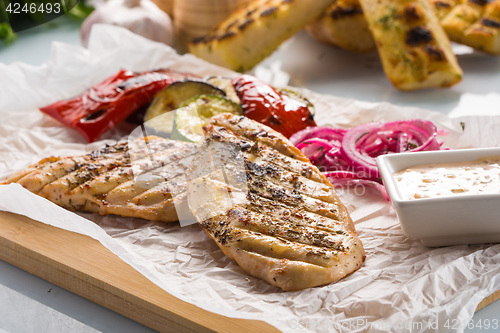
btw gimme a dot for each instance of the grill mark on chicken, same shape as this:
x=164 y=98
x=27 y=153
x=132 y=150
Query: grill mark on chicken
x=108 y=181
x=256 y=151
x=275 y=177
x=282 y=226
x=157 y=173
x=276 y=221
x=249 y=236
x=278 y=217
x=50 y=172
x=78 y=190
x=277 y=250
x=279 y=175
x=291 y=197
x=57 y=189
x=297 y=215
x=21 y=173
x=251 y=130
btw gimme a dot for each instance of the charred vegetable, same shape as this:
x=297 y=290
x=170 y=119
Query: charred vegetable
x=194 y=114
x=158 y=116
x=263 y=103
x=108 y=103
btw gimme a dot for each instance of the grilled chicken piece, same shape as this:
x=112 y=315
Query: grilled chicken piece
x=251 y=34
x=129 y=179
x=265 y=205
x=268 y=208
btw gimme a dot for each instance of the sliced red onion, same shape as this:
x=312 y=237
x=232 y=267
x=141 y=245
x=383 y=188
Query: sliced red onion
x=327 y=133
x=313 y=149
x=334 y=160
x=351 y=143
x=423 y=131
x=402 y=142
x=348 y=156
x=341 y=174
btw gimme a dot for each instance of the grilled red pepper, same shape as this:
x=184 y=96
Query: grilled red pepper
x=108 y=103
x=263 y=103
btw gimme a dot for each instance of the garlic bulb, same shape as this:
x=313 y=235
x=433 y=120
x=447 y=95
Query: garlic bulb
x=142 y=17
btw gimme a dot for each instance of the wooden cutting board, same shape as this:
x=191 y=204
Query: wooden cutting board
x=85 y=267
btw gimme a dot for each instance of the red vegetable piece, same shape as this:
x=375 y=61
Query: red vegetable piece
x=106 y=104
x=353 y=162
x=263 y=103
x=327 y=133
x=314 y=148
x=352 y=145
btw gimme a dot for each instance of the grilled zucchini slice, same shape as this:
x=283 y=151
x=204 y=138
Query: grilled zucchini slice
x=194 y=114
x=225 y=84
x=158 y=118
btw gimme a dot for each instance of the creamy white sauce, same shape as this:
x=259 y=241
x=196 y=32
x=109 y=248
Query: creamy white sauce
x=447 y=179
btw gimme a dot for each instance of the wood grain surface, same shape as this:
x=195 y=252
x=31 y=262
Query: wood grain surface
x=85 y=267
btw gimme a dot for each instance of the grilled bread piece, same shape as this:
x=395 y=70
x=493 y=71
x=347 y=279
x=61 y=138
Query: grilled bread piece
x=443 y=7
x=254 y=32
x=130 y=178
x=474 y=23
x=413 y=47
x=269 y=209
x=343 y=25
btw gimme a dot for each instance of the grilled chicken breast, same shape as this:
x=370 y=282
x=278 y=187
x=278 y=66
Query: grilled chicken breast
x=262 y=201
x=268 y=208
x=130 y=178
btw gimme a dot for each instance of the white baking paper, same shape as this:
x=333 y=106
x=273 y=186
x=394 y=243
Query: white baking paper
x=402 y=287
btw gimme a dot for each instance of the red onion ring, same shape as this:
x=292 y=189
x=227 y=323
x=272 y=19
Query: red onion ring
x=347 y=156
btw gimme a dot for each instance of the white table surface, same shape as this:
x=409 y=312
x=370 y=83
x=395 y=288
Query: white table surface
x=31 y=304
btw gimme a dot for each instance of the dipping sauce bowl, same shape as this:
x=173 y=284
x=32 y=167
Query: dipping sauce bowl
x=445 y=197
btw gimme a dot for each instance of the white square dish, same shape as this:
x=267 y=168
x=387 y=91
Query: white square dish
x=443 y=220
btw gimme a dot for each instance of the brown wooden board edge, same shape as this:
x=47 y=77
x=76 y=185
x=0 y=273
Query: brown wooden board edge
x=84 y=266
x=488 y=300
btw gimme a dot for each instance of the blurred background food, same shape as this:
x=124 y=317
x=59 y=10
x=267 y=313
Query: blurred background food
x=412 y=37
x=196 y=18
x=142 y=17
x=252 y=33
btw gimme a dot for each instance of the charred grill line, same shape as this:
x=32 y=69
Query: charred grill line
x=103 y=180
x=317 y=254
x=101 y=162
x=298 y=216
x=127 y=172
x=253 y=150
x=285 y=224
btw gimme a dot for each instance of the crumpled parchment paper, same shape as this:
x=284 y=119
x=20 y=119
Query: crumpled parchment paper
x=402 y=287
